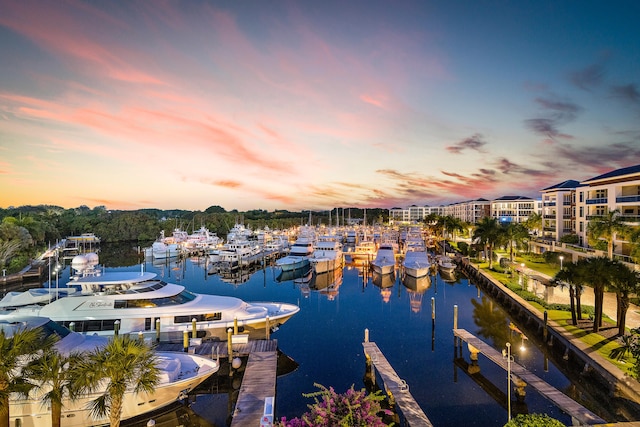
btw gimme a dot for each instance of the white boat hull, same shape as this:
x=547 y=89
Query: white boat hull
x=291 y=262
x=32 y=413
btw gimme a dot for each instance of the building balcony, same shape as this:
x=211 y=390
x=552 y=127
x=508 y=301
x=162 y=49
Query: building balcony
x=629 y=218
x=598 y=201
x=627 y=199
x=549 y=204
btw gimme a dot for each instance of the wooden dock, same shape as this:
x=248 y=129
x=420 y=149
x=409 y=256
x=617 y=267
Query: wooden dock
x=562 y=401
x=258 y=380
x=398 y=388
x=258 y=384
x=219 y=348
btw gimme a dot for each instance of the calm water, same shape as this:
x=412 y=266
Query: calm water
x=325 y=339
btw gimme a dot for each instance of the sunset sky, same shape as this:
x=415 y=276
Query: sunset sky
x=311 y=104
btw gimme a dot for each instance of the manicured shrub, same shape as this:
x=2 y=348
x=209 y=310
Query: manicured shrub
x=352 y=408
x=533 y=420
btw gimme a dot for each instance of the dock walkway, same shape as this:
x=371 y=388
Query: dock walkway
x=399 y=389
x=562 y=401
x=219 y=348
x=258 y=380
x=258 y=384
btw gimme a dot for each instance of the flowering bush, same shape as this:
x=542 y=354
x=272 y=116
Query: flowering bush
x=352 y=408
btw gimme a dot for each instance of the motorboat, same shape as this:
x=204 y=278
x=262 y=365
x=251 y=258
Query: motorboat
x=167 y=247
x=299 y=254
x=179 y=373
x=202 y=240
x=416 y=261
x=445 y=265
x=139 y=302
x=327 y=256
x=364 y=251
x=385 y=260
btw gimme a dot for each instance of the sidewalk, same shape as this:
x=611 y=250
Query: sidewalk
x=561 y=296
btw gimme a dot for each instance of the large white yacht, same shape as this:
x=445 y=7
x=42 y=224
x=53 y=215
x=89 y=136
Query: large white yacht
x=179 y=373
x=327 y=256
x=138 y=302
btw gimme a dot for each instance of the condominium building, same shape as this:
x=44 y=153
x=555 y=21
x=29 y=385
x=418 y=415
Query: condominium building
x=469 y=211
x=514 y=208
x=615 y=190
x=413 y=213
x=559 y=210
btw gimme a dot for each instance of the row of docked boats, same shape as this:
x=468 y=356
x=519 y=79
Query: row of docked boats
x=326 y=253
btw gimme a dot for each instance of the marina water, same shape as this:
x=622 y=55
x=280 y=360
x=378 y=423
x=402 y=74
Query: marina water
x=325 y=340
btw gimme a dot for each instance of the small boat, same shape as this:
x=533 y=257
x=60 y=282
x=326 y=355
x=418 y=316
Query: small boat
x=179 y=373
x=445 y=265
x=138 y=302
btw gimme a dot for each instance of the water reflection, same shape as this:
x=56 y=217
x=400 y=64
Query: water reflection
x=416 y=287
x=330 y=352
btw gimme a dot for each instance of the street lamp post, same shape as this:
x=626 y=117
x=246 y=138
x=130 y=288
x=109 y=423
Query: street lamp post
x=561 y=258
x=506 y=354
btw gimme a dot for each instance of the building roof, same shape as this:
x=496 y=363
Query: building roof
x=565 y=185
x=509 y=198
x=615 y=173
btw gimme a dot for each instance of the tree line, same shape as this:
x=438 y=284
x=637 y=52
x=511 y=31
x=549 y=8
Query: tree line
x=26 y=231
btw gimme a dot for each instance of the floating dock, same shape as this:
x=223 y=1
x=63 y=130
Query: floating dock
x=397 y=387
x=561 y=400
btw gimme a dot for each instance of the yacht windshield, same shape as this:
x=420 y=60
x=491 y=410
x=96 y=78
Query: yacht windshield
x=53 y=328
x=181 y=298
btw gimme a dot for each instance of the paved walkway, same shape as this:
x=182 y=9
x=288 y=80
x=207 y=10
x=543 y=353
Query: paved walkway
x=561 y=296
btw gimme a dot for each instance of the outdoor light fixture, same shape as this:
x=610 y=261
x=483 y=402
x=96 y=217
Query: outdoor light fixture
x=506 y=354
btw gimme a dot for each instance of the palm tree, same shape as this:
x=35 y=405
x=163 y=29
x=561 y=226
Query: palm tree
x=448 y=225
x=52 y=371
x=13 y=351
x=634 y=238
x=625 y=282
x=571 y=276
x=514 y=235
x=607 y=228
x=534 y=223
x=125 y=363
x=599 y=272
x=487 y=233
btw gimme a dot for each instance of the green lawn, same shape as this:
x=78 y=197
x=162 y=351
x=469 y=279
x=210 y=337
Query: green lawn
x=601 y=344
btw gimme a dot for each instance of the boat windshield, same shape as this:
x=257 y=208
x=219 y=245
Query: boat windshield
x=53 y=328
x=181 y=298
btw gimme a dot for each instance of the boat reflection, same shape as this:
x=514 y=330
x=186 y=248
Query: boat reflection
x=327 y=283
x=448 y=276
x=385 y=282
x=416 y=287
x=300 y=275
x=178 y=414
x=239 y=276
